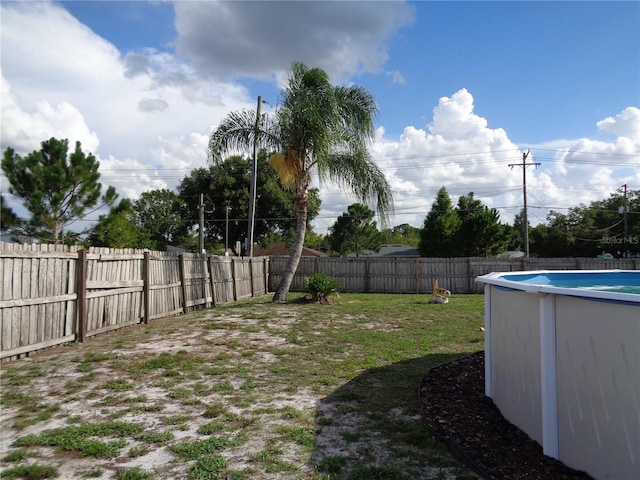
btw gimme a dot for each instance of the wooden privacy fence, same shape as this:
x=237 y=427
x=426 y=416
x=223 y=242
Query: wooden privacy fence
x=54 y=294
x=416 y=275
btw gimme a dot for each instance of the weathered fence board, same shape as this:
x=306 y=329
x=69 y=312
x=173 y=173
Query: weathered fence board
x=54 y=294
x=36 y=297
x=223 y=274
x=114 y=286
x=416 y=275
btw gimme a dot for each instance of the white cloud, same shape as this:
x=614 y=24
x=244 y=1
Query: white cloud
x=261 y=39
x=626 y=124
x=152 y=105
x=397 y=77
x=460 y=152
x=26 y=129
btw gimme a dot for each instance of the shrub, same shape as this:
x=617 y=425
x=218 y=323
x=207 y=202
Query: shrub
x=321 y=288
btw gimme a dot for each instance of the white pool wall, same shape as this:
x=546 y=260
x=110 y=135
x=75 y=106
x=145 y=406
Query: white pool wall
x=563 y=365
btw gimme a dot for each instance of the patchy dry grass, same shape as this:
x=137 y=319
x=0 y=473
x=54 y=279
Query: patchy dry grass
x=253 y=390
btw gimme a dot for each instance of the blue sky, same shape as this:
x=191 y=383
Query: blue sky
x=464 y=88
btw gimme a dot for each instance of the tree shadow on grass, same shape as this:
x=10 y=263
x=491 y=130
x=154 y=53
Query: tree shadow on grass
x=372 y=427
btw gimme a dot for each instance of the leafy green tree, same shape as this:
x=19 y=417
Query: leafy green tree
x=588 y=230
x=471 y=229
x=438 y=235
x=319 y=127
x=355 y=231
x=516 y=242
x=480 y=232
x=159 y=214
x=8 y=219
x=116 y=230
x=404 y=234
x=314 y=240
x=226 y=185
x=57 y=187
x=617 y=233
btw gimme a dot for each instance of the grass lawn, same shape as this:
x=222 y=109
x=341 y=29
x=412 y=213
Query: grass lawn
x=252 y=390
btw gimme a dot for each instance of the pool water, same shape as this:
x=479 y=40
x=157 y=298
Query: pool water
x=604 y=281
x=614 y=288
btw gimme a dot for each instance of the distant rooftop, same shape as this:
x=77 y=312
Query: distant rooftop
x=281 y=249
x=391 y=250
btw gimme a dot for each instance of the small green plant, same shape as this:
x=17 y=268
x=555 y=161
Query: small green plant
x=93 y=473
x=179 y=393
x=210 y=428
x=118 y=384
x=138 y=451
x=16 y=455
x=154 y=437
x=73 y=420
x=332 y=465
x=208 y=467
x=303 y=436
x=191 y=450
x=270 y=459
x=214 y=410
x=373 y=472
x=176 y=419
x=320 y=288
x=34 y=471
x=77 y=438
x=135 y=473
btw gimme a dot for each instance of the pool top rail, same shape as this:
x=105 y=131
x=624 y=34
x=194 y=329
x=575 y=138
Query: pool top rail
x=615 y=285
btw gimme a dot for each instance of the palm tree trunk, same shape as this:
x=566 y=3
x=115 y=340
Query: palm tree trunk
x=302 y=200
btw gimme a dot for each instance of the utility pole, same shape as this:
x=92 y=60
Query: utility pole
x=226 y=232
x=201 y=224
x=254 y=182
x=626 y=225
x=524 y=166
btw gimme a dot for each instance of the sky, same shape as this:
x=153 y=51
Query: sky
x=464 y=89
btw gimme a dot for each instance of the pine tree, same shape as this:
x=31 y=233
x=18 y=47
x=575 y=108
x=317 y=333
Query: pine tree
x=56 y=187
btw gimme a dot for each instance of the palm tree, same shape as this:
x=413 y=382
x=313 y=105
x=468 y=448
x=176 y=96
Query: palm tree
x=319 y=127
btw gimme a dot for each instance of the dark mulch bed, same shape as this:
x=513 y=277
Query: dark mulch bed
x=454 y=405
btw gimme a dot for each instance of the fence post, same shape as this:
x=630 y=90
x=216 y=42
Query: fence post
x=81 y=289
x=233 y=279
x=183 y=282
x=146 y=290
x=367 y=279
x=253 y=289
x=266 y=274
x=212 y=281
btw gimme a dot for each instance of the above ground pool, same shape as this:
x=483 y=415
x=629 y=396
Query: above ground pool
x=562 y=363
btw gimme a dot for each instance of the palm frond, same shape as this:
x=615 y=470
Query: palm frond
x=237 y=133
x=358 y=173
